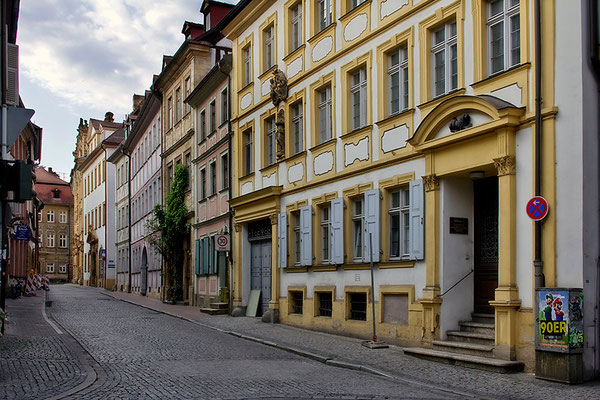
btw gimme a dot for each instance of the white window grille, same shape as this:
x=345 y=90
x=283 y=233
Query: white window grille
x=444 y=54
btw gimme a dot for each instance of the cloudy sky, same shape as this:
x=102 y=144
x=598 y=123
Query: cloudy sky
x=81 y=58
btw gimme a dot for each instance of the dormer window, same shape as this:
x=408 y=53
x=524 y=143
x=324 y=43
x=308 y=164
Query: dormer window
x=56 y=194
x=207 y=21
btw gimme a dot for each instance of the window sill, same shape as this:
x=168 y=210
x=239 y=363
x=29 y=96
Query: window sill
x=294 y=53
x=294 y=269
x=389 y=118
x=246 y=87
x=324 y=268
x=321 y=145
x=295 y=156
x=357 y=131
x=202 y=141
x=323 y=32
x=267 y=72
x=397 y=264
x=497 y=75
x=348 y=14
x=248 y=175
x=268 y=167
x=223 y=123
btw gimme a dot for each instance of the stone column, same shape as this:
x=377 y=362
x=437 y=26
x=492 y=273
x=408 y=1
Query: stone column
x=431 y=301
x=506 y=299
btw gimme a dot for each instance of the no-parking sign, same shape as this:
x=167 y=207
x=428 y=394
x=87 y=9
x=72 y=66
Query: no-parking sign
x=223 y=243
x=537 y=208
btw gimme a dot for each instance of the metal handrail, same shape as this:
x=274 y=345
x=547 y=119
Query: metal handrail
x=462 y=279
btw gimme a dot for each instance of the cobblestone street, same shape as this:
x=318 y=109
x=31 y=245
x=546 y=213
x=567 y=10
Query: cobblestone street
x=122 y=350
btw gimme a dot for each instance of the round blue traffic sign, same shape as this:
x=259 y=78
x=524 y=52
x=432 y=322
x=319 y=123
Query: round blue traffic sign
x=537 y=208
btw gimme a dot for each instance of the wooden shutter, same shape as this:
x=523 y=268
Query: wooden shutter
x=282 y=238
x=371 y=225
x=336 y=244
x=306 y=236
x=12 y=74
x=197 y=257
x=416 y=217
x=205 y=255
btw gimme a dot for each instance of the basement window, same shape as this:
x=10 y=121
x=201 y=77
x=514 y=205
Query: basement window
x=296 y=302
x=325 y=304
x=358 y=306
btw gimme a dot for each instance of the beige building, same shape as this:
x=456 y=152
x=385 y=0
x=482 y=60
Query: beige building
x=180 y=74
x=55 y=223
x=77 y=189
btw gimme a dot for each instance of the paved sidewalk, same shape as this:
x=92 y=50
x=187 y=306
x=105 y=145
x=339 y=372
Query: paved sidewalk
x=37 y=359
x=348 y=352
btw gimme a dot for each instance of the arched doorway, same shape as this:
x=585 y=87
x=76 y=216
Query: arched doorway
x=144 y=273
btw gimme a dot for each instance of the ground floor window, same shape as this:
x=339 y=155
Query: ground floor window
x=358 y=306
x=296 y=302
x=62 y=268
x=324 y=303
x=50 y=268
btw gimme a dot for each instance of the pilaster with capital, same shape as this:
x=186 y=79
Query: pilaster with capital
x=275 y=272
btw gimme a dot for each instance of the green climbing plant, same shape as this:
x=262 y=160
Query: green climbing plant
x=167 y=231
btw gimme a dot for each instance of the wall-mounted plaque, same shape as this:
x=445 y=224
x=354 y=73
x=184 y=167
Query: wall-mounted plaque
x=459 y=225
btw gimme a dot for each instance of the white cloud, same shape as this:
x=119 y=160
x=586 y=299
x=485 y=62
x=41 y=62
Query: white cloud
x=98 y=53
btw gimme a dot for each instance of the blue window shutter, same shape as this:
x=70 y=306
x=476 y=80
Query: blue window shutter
x=282 y=237
x=416 y=216
x=371 y=225
x=197 y=258
x=336 y=244
x=306 y=236
x=205 y=255
x=200 y=256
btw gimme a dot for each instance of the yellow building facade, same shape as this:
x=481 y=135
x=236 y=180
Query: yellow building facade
x=403 y=134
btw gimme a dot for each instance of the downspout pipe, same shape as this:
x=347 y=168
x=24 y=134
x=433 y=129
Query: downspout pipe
x=230 y=191
x=537 y=262
x=128 y=154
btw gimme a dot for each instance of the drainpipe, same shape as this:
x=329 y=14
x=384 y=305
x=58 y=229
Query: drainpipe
x=230 y=191
x=537 y=262
x=128 y=154
x=104 y=218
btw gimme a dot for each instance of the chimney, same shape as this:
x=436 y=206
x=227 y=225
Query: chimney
x=50 y=170
x=137 y=100
x=109 y=117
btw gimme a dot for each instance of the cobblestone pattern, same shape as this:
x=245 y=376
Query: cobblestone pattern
x=145 y=354
x=38 y=365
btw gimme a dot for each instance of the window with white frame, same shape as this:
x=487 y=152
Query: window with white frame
x=62 y=241
x=213 y=178
x=503 y=29
x=271 y=140
x=50 y=241
x=324 y=113
x=358 y=96
x=224 y=171
x=296 y=17
x=202 y=183
x=248 y=166
x=398 y=80
x=224 y=106
x=213 y=117
x=324 y=17
x=188 y=89
x=399 y=214
x=202 y=125
x=269 y=36
x=170 y=112
x=50 y=268
x=357 y=228
x=62 y=268
x=177 y=105
x=63 y=217
x=325 y=233
x=297 y=128
x=247 y=72
x=444 y=53
x=50 y=216
x=296 y=230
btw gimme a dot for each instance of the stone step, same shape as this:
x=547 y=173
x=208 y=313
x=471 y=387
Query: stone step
x=480 y=350
x=477 y=327
x=464 y=360
x=471 y=337
x=480 y=317
x=214 y=311
x=220 y=305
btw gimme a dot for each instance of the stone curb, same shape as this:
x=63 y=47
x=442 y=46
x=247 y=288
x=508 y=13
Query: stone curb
x=294 y=350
